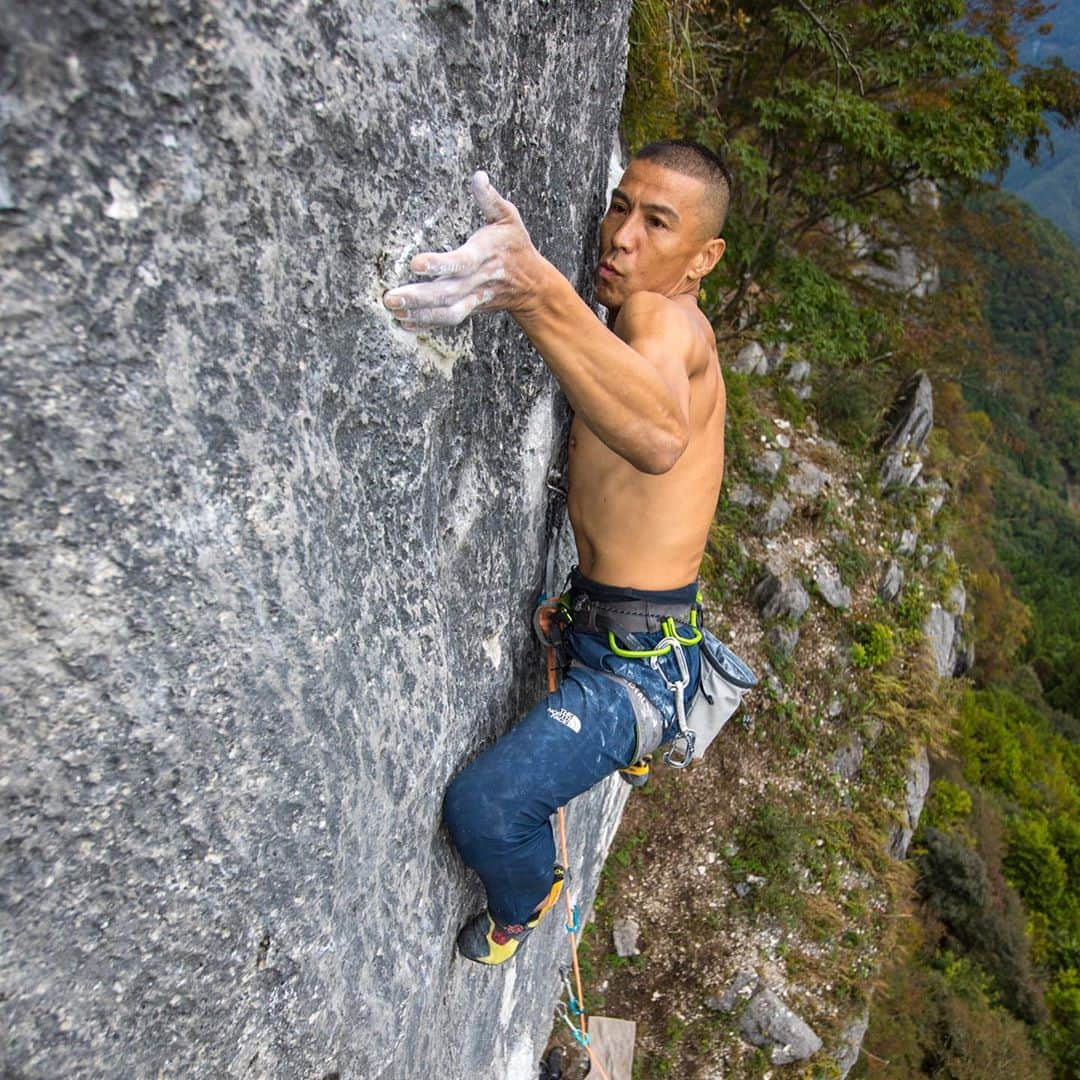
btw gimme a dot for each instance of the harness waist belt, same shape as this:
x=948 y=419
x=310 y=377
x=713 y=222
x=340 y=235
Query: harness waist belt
x=596 y=616
x=598 y=608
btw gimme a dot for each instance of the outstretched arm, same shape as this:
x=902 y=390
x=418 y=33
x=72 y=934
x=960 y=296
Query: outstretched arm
x=630 y=387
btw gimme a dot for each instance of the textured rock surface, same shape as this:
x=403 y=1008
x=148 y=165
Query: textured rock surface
x=780 y=595
x=891 y=582
x=267 y=562
x=909 y=422
x=769 y=1023
x=833 y=591
x=915 y=789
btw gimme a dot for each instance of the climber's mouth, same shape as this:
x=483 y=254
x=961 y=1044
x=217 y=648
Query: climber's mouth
x=608 y=272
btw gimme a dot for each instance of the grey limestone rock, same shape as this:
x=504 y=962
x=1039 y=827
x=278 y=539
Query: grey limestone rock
x=783 y=638
x=833 y=591
x=268 y=561
x=743 y=495
x=741 y=988
x=943 y=631
x=892 y=581
x=907 y=543
x=851 y=1040
x=847 y=760
x=799 y=372
x=751 y=360
x=775 y=516
x=807 y=480
x=956 y=601
x=767 y=464
x=779 y=594
x=625 y=936
x=908 y=423
x=915 y=789
x=767 y=1022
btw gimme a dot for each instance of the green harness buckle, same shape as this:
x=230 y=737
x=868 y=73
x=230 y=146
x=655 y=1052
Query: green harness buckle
x=669 y=631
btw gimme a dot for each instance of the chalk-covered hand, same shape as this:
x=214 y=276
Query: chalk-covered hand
x=491 y=271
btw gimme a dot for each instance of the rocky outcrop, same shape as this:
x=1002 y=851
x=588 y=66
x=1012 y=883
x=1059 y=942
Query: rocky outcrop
x=780 y=595
x=908 y=423
x=915 y=790
x=268 y=561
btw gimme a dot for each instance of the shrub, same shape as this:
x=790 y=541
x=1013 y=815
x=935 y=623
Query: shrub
x=873 y=646
x=954 y=882
x=1032 y=863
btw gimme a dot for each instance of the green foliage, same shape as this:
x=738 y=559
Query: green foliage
x=953 y=880
x=1034 y=865
x=946 y=804
x=913 y=605
x=874 y=646
x=818 y=311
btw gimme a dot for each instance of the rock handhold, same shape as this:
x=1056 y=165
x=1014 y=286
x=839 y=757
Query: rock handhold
x=767 y=1022
x=751 y=360
x=780 y=595
x=892 y=581
x=909 y=422
x=625 y=934
x=833 y=591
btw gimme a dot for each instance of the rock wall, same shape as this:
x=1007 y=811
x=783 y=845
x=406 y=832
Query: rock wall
x=268 y=562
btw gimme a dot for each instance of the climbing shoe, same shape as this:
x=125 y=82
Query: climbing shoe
x=637 y=775
x=488 y=941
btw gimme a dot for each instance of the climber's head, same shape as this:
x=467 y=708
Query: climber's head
x=662 y=230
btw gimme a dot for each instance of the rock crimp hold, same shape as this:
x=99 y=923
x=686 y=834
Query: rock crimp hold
x=909 y=422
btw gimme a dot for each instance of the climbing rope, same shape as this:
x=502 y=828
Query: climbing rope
x=573 y=922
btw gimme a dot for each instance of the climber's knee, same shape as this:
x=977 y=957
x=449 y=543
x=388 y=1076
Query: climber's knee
x=483 y=819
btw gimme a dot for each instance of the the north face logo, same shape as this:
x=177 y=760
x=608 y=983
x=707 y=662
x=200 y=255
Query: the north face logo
x=566 y=718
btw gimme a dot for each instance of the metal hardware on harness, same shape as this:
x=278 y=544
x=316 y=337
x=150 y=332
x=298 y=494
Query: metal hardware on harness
x=682 y=746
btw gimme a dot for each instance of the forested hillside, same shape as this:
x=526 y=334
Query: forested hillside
x=865 y=242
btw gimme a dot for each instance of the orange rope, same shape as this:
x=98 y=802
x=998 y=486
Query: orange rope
x=553 y=685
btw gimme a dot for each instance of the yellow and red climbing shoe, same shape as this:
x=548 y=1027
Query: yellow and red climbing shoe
x=488 y=941
x=637 y=775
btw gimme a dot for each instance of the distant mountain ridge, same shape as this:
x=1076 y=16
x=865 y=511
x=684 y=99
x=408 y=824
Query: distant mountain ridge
x=1052 y=187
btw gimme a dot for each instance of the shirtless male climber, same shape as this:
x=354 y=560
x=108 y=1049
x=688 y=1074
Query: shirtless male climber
x=646 y=458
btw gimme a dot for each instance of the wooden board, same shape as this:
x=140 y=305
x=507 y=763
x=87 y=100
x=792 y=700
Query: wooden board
x=613 y=1045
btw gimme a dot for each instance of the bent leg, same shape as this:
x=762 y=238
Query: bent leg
x=498 y=809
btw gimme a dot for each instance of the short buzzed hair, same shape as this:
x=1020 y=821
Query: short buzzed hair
x=693 y=159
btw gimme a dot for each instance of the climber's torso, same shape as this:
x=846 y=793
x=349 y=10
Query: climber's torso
x=647 y=531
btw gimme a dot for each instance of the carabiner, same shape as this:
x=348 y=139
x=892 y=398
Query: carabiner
x=687 y=738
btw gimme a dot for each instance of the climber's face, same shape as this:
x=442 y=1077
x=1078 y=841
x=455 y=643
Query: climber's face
x=655 y=236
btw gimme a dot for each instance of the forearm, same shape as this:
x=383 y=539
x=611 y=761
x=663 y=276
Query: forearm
x=614 y=389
